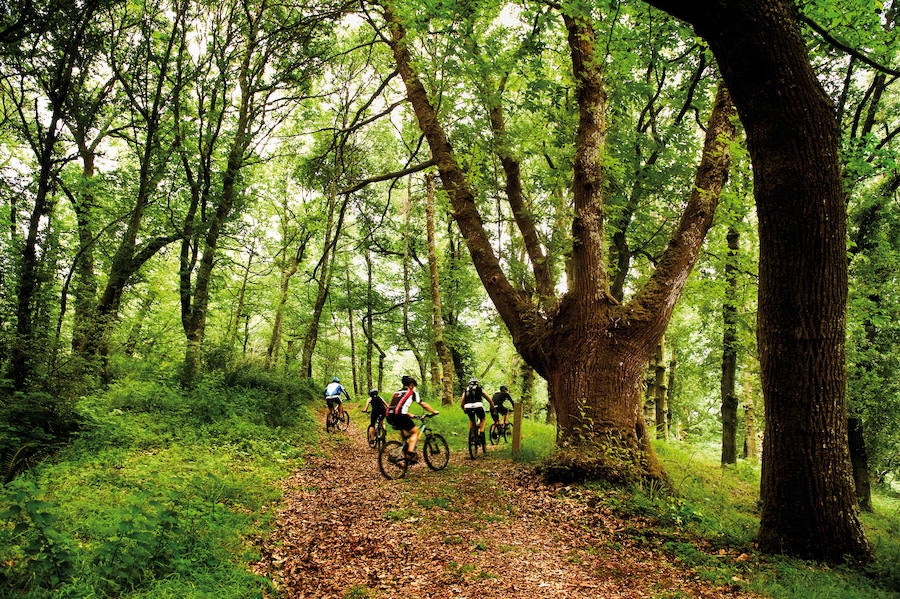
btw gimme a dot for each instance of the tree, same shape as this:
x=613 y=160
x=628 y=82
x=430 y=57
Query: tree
x=47 y=70
x=729 y=353
x=591 y=349
x=440 y=345
x=808 y=503
x=259 y=54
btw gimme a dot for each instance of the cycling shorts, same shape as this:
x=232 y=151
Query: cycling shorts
x=333 y=401
x=376 y=414
x=401 y=422
x=473 y=412
x=502 y=410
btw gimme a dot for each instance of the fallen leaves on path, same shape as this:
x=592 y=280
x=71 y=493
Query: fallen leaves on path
x=486 y=529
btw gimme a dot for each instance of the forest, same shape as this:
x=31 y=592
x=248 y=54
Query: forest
x=665 y=226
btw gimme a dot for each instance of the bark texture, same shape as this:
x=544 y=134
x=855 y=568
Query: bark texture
x=808 y=502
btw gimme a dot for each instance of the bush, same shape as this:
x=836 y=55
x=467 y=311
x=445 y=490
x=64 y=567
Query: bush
x=32 y=424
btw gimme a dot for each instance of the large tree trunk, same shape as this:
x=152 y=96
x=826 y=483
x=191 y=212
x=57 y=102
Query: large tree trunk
x=591 y=350
x=807 y=491
x=728 y=383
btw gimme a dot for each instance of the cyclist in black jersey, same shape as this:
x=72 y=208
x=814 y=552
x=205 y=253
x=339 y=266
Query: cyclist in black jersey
x=473 y=406
x=503 y=404
x=378 y=410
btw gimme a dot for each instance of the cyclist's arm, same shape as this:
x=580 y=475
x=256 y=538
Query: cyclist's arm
x=428 y=408
x=488 y=397
x=368 y=401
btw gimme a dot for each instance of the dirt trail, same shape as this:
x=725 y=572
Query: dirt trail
x=486 y=529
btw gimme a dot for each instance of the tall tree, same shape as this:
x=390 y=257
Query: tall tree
x=45 y=70
x=440 y=346
x=591 y=349
x=259 y=54
x=807 y=492
x=729 y=353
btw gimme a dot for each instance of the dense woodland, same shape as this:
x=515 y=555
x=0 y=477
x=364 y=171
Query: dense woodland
x=649 y=219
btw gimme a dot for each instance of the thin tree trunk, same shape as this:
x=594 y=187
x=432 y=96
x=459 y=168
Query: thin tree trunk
x=662 y=409
x=323 y=285
x=860 y=458
x=134 y=335
x=729 y=354
x=526 y=373
x=235 y=323
x=437 y=319
x=352 y=336
x=407 y=334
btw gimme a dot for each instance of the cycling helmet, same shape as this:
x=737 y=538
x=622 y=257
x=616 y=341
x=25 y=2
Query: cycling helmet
x=407 y=380
x=473 y=381
x=335 y=380
x=503 y=388
x=373 y=392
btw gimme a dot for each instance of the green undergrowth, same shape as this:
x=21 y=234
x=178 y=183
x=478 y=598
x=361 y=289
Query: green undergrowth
x=709 y=518
x=160 y=494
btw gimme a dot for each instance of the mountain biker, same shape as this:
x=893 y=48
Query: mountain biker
x=333 y=395
x=379 y=410
x=398 y=415
x=503 y=404
x=473 y=406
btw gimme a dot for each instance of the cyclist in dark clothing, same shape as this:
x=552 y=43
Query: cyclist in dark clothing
x=379 y=410
x=503 y=404
x=473 y=406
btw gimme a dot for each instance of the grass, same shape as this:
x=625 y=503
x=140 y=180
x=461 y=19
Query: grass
x=164 y=494
x=161 y=495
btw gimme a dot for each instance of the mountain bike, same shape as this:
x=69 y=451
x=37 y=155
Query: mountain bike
x=500 y=431
x=475 y=439
x=334 y=421
x=377 y=435
x=392 y=460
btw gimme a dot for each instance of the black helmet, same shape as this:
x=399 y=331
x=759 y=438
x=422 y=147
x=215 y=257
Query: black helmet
x=373 y=392
x=473 y=381
x=503 y=388
x=407 y=380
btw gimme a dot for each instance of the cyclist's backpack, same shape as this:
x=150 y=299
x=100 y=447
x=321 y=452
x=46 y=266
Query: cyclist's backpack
x=395 y=401
x=473 y=394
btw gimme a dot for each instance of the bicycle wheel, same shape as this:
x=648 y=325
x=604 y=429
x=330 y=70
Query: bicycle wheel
x=473 y=442
x=380 y=435
x=496 y=433
x=436 y=451
x=392 y=460
x=343 y=422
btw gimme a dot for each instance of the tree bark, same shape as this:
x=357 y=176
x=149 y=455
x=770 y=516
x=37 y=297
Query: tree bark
x=807 y=491
x=661 y=394
x=437 y=318
x=860 y=459
x=728 y=381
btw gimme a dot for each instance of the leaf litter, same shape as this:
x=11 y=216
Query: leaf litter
x=486 y=528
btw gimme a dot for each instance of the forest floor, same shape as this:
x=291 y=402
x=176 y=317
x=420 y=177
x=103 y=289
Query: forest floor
x=487 y=528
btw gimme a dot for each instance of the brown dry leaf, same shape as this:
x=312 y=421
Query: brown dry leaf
x=485 y=529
